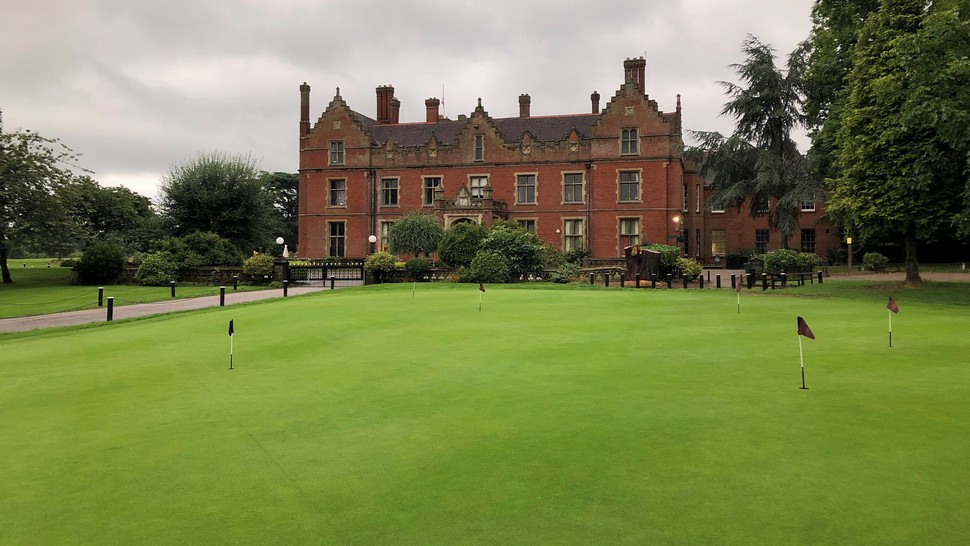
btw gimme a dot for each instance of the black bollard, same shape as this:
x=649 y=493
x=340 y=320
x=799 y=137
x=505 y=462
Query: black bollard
x=784 y=279
x=670 y=280
x=100 y=296
x=637 y=278
x=235 y=282
x=653 y=280
x=700 y=281
x=622 y=280
x=717 y=280
x=592 y=279
x=685 y=281
x=820 y=277
x=172 y=285
x=606 y=280
x=750 y=280
x=286 y=284
x=764 y=281
x=222 y=296
x=734 y=280
x=332 y=280
x=111 y=308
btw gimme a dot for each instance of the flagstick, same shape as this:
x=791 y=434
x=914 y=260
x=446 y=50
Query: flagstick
x=890 y=328
x=230 y=352
x=479 y=301
x=801 y=357
x=413 y=285
x=739 y=303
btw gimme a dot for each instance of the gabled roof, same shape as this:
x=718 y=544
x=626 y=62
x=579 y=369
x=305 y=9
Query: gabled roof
x=542 y=128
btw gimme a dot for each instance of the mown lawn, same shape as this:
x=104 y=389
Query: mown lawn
x=556 y=415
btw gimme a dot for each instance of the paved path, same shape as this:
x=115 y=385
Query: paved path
x=71 y=318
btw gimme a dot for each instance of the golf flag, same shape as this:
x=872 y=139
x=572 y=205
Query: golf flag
x=737 y=289
x=231 y=331
x=481 y=287
x=893 y=308
x=803 y=330
x=481 y=290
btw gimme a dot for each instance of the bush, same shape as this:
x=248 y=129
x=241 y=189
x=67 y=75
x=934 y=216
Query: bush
x=668 y=258
x=552 y=257
x=199 y=249
x=460 y=243
x=874 y=261
x=567 y=272
x=258 y=266
x=577 y=255
x=781 y=260
x=521 y=249
x=808 y=262
x=488 y=266
x=68 y=263
x=379 y=264
x=157 y=269
x=417 y=268
x=101 y=263
x=689 y=267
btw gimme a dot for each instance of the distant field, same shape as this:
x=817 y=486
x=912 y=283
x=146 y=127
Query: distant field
x=557 y=415
x=38 y=290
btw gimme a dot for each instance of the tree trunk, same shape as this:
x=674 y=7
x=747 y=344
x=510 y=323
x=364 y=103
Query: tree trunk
x=3 y=266
x=912 y=266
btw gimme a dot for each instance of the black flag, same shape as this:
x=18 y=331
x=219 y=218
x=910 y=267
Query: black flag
x=230 y=329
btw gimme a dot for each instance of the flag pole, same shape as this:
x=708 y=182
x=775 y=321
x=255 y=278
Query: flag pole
x=479 y=301
x=413 y=285
x=230 y=352
x=739 y=303
x=890 y=328
x=801 y=357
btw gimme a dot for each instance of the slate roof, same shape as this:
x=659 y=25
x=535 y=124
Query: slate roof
x=542 y=128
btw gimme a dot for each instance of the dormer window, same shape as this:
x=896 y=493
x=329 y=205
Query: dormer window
x=479 y=147
x=629 y=141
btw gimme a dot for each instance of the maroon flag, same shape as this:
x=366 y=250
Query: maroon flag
x=892 y=305
x=481 y=287
x=737 y=286
x=231 y=329
x=804 y=330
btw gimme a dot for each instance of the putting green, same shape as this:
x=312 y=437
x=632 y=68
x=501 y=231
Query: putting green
x=570 y=415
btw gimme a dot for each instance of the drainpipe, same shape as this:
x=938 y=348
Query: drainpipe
x=589 y=198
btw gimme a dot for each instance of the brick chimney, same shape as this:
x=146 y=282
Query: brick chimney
x=384 y=95
x=395 y=110
x=431 y=107
x=595 y=100
x=304 y=109
x=525 y=105
x=633 y=71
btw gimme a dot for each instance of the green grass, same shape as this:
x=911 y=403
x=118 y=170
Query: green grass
x=557 y=415
x=37 y=290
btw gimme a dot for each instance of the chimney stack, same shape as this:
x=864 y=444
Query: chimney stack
x=525 y=105
x=633 y=71
x=595 y=100
x=304 y=109
x=395 y=110
x=431 y=106
x=384 y=95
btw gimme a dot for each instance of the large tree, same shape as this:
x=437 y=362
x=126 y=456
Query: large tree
x=284 y=190
x=415 y=234
x=900 y=161
x=32 y=169
x=97 y=212
x=220 y=193
x=760 y=163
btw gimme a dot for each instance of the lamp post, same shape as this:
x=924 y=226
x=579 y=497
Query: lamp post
x=679 y=229
x=279 y=241
x=372 y=239
x=848 y=241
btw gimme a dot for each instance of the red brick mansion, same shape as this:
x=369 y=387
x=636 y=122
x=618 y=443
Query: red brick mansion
x=602 y=180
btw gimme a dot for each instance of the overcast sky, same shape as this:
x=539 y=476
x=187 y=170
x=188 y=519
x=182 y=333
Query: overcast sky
x=137 y=86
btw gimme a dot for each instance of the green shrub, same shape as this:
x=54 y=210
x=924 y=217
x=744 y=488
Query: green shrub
x=689 y=267
x=552 y=257
x=781 y=260
x=199 y=249
x=379 y=264
x=808 y=262
x=157 y=269
x=874 y=261
x=577 y=255
x=460 y=243
x=489 y=266
x=101 y=263
x=68 y=263
x=417 y=268
x=668 y=258
x=258 y=266
x=567 y=272
x=521 y=249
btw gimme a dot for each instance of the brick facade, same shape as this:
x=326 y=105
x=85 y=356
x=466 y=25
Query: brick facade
x=602 y=179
